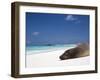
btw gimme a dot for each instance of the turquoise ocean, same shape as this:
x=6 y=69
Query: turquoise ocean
x=35 y=49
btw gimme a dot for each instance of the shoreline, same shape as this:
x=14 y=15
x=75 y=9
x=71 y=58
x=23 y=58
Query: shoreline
x=30 y=52
x=43 y=52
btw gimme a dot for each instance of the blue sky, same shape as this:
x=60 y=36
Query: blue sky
x=46 y=28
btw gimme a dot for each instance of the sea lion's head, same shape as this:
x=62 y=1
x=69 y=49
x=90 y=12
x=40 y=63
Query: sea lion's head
x=64 y=56
x=68 y=54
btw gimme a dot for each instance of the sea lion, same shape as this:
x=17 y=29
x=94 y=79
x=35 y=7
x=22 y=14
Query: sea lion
x=81 y=50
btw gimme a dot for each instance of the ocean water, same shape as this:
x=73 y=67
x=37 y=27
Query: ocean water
x=47 y=48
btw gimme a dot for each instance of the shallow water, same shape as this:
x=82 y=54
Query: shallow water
x=47 y=48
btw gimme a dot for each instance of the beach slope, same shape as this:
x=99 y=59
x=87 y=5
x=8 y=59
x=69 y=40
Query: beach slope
x=51 y=59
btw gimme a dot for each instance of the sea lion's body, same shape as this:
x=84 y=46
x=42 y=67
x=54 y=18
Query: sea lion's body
x=81 y=50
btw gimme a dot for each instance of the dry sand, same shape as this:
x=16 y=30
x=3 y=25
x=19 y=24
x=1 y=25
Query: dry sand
x=51 y=59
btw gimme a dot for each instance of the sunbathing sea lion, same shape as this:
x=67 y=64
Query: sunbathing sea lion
x=80 y=50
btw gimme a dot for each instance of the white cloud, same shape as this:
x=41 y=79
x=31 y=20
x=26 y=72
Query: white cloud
x=35 y=33
x=71 y=18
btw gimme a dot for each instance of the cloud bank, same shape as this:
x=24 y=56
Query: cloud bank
x=35 y=33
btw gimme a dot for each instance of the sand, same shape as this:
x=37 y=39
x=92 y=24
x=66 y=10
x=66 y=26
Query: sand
x=51 y=59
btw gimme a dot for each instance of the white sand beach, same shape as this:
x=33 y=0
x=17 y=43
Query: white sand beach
x=50 y=59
